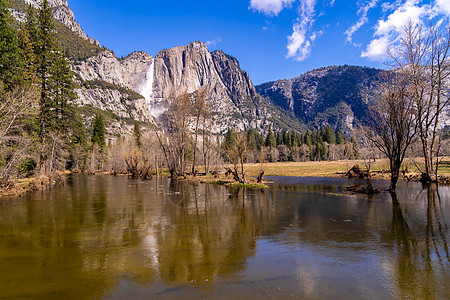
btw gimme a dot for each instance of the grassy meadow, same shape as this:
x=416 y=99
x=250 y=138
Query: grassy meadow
x=335 y=168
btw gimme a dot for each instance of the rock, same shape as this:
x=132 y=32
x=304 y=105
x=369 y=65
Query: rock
x=356 y=172
x=63 y=13
x=333 y=95
x=355 y=189
x=233 y=100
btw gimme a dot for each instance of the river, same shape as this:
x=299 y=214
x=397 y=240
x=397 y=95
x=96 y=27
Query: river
x=105 y=237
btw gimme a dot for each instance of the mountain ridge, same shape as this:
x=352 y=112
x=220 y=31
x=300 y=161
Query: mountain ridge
x=139 y=86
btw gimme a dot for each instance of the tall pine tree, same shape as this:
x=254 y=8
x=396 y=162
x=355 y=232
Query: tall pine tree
x=10 y=59
x=99 y=132
x=270 y=139
x=57 y=114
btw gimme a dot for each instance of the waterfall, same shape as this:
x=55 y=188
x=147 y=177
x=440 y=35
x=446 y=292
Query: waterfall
x=147 y=88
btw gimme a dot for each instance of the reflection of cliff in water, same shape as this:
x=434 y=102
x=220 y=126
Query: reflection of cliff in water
x=99 y=234
x=96 y=227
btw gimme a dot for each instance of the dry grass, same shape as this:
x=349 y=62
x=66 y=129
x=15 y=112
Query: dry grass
x=330 y=168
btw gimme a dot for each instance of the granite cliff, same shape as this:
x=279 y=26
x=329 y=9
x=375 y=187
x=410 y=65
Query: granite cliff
x=233 y=100
x=336 y=96
x=139 y=86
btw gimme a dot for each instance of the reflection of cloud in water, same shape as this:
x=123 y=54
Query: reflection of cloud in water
x=151 y=245
x=307 y=275
x=273 y=243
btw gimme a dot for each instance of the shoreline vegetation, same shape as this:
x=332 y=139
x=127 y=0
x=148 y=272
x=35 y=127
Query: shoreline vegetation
x=43 y=132
x=334 y=169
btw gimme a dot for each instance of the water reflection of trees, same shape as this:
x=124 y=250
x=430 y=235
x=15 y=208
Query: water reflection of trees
x=212 y=234
x=422 y=258
x=185 y=234
x=101 y=228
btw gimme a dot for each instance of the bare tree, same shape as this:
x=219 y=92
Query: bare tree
x=174 y=142
x=236 y=154
x=16 y=111
x=116 y=162
x=392 y=122
x=207 y=144
x=423 y=58
x=200 y=104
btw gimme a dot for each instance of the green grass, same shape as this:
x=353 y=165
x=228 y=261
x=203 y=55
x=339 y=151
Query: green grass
x=259 y=186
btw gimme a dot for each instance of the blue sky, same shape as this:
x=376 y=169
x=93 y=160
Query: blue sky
x=272 y=39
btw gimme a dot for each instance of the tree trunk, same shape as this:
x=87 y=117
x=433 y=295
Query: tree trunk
x=395 y=174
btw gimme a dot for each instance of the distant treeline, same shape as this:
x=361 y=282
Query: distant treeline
x=321 y=144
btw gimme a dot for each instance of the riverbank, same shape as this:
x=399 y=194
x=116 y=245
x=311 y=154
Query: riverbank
x=334 y=169
x=22 y=186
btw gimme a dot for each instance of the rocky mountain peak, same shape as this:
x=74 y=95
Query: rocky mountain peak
x=52 y=3
x=61 y=12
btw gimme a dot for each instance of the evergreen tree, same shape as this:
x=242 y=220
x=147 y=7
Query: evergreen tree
x=355 y=148
x=300 y=139
x=270 y=139
x=323 y=152
x=293 y=138
x=279 y=139
x=315 y=136
x=328 y=135
x=57 y=115
x=229 y=140
x=259 y=139
x=44 y=50
x=251 y=139
x=99 y=132
x=28 y=56
x=79 y=136
x=10 y=59
x=286 y=139
x=308 y=138
x=31 y=26
x=339 y=138
x=137 y=134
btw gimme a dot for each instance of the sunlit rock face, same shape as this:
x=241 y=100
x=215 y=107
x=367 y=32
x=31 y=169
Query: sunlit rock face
x=338 y=96
x=129 y=72
x=232 y=102
x=187 y=68
x=123 y=76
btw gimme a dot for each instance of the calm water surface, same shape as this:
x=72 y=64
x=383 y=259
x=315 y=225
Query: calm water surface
x=117 y=238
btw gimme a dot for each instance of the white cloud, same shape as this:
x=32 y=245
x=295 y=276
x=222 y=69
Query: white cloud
x=299 y=47
x=308 y=6
x=301 y=40
x=388 y=30
x=362 y=11
x=443 y=6
x=377 y=49
x=400 y=12
x=270 y=7
x=398 y=19
x=386 y=6
x=214 y=41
